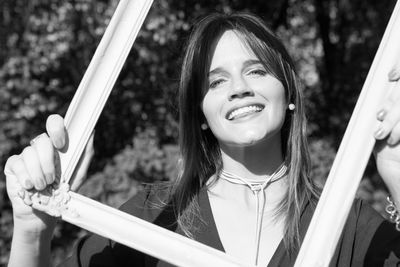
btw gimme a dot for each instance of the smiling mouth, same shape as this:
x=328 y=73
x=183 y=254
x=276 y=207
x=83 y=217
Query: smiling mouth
x=244 y=111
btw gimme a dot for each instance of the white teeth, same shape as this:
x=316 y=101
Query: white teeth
x=243 y=110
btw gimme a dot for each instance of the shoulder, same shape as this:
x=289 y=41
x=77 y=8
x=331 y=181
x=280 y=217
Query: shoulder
x=367 y=238
x=383 y=248
x=363 y=215
x=362 y=223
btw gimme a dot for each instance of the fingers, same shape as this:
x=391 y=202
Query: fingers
x=33 y=167
x=389 y=117
x=56 y=131
x=18 y=180
x=31 y=172
x=394 y=136
x=45 y=152
x=15 y=167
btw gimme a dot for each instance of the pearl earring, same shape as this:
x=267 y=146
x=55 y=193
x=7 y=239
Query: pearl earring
x=204 y=126
x=292 y=106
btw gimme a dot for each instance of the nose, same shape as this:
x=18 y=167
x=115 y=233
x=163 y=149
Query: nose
x=240 y=89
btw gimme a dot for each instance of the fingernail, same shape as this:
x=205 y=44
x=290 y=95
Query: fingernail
x=379 y=133
x=28 y=184
x=59 y=143
x=27 y=200
x=391 y=141
x=381 y=115
x=49 y=178
x=41 y=184
x=21 y=193
x=393 y=75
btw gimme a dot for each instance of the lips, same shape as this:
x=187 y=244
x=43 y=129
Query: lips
x=243 y=111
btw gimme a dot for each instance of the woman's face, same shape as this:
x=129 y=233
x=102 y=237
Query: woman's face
x=244 y=105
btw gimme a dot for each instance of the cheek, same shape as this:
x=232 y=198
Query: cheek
x=210 y=108
x=205 y=108
x=281 y=109
x=279 y=102
x=279 y=115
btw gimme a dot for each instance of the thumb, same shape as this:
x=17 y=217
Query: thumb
x=56 y=130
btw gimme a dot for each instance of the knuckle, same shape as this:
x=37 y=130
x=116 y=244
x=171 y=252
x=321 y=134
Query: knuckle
x=386 y=124
x=388 y=106
x=391 y=118
x=12 y=163
x=48 y=169
x=27 y=151
x=43 y=142
x=42 y=137
x=46 y=164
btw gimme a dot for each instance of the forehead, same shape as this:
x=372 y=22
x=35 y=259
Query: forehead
x=230 y=48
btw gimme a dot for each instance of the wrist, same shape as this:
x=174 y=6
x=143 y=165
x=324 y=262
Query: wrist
x=30 y=231
x=393 y=212
x=30 y=248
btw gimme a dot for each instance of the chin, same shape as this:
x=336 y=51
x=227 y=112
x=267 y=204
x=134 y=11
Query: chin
x=251 y=138
x=254 y=136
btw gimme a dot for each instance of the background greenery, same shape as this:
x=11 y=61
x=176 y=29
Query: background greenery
x=45 y=47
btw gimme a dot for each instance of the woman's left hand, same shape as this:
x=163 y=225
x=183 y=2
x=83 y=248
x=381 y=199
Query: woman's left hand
x=387 y=149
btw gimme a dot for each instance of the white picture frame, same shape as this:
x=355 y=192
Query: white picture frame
x=330 y=215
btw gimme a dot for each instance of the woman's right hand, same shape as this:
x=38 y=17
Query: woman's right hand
x=36 y=168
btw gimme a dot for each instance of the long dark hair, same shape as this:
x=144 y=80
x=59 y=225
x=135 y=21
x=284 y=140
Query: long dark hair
x=200 y=153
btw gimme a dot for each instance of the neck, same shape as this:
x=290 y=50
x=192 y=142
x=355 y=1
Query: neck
x=253 y=162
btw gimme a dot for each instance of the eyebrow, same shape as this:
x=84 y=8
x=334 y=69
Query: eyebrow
x=246 y=64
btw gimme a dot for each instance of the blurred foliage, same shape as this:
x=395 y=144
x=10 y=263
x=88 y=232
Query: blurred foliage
x=45 y=47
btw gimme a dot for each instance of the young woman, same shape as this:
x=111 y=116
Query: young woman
x=244 y=185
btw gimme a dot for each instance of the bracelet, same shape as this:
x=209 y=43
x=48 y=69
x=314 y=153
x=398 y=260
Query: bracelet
x=394 y=214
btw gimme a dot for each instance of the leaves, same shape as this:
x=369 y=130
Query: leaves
x=46 y=46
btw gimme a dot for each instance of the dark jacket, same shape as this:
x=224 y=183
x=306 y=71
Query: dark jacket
x=367 y=239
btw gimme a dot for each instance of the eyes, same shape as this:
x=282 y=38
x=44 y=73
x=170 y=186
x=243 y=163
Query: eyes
x=219 y=79
x=216 y=82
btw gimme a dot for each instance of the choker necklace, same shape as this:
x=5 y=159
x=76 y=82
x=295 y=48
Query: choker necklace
x=256 y=187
